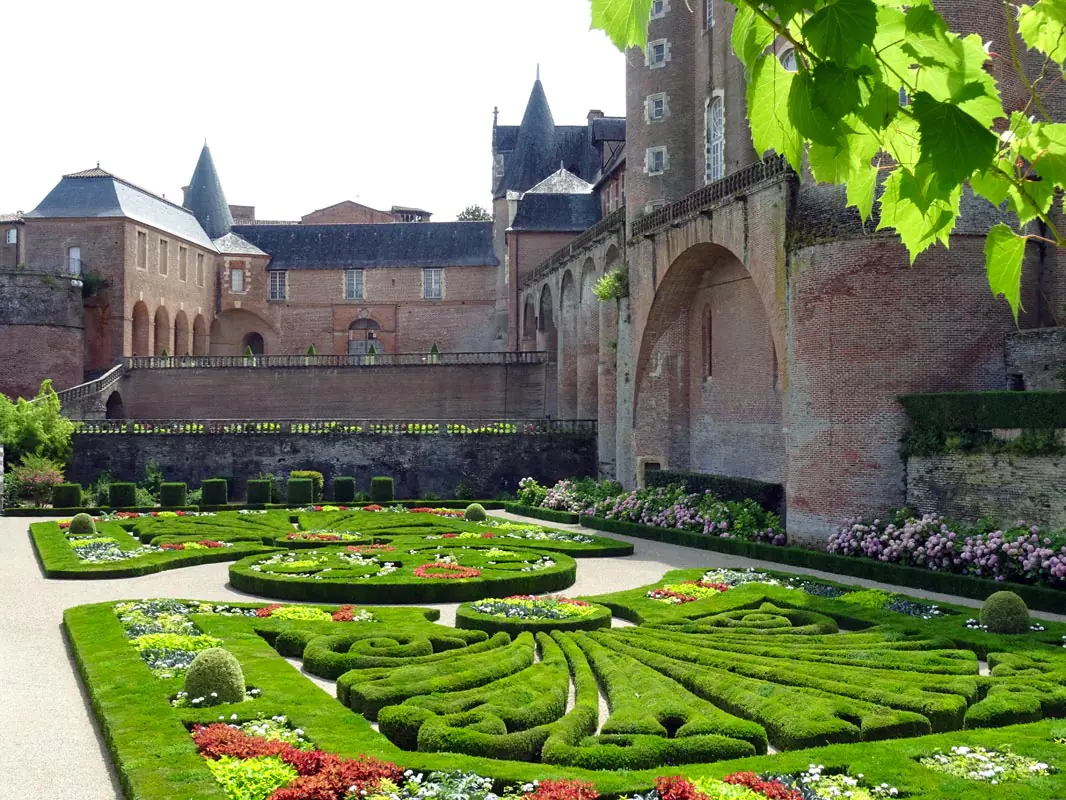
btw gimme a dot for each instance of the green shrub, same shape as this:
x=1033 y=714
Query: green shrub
x=215 y=675
x=316 y=479
x=768 y=495
x=122 y=495
x=475 y=512
x=465 y=490
x=362 y=497
x=173 y=495
x=343 y=489
x=963 y=411
x=258 y=492
x=66 y=495
x=82 y=523
x=300 y=491
x=382 y=490
x=215 y=492
x=1005 y=612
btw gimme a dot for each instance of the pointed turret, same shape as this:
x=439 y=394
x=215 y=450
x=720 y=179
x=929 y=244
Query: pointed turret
x=534 y=153
x=206 y=200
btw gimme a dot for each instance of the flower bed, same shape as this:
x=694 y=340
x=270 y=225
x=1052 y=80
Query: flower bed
x=981 y=764
x=687 y=592
x=526 y=613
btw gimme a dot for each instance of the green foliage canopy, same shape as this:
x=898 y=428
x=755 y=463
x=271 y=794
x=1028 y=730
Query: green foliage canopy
x=35 y=427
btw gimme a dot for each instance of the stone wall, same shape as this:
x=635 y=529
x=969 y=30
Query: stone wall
x=1007 y=487
x=420 y=464
x=1037 y=358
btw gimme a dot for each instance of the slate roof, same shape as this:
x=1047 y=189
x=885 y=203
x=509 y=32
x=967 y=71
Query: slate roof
x=556 y=212
x=534 y=152
x=233 y=244
x=205 y=198
x=97 y=194
x=562 y=181
x=427 y=244
x=609 y=129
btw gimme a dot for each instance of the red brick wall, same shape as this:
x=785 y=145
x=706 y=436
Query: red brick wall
x=347 y=213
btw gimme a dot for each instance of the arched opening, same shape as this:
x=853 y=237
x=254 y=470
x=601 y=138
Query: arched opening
x=253 y=341
x=529 y=324
x=199 y=336
x=607 y=393
x=546 y=333
x=705 y=374
x=362 y=335
x=141 y=334
x=568 y=347
x=162 y=331
x=588 y=344
x=181 y=335
x=114 y=408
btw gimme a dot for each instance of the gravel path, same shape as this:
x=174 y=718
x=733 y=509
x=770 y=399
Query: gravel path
x=52 y=744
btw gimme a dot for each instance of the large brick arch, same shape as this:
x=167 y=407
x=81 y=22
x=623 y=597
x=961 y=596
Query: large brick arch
x=547 y=335
x=529 y=324
x=568 y=345
x=161 y=337
x=588 y=343
x=199 y=336
x=607 y=371
x=182 y=345
x=231 y=328
x=141 y=335
x=706 y=373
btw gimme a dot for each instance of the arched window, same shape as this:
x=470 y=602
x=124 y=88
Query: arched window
x=715 y=169
x=254 y=342
x=361 y=335
x=788 y=60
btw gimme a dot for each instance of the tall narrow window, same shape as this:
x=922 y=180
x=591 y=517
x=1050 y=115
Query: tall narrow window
x=708 y=19
x=142 y=250
x=657 y=54
x=655 y=162
x=12 y=235
x=164 y=256
x=183 y=263
x=353 y=284
x=659 y=8
x=433 y=284
x=236 y=280
x=715 y=169
x=279 y=285
x=199 y=269
x=74 y=260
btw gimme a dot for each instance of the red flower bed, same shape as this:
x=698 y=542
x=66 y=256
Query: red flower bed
x=373 y=507
x=677 y=788
x=681 y=597
x=564 y=790
x=366 y=549
x=176 y=546
x=421 y=510
x=344 y=614
x=449 y=536
x=773 y=790
x=211 y=543
x=317 y=537
x=450 y=571
x=488 y=536
x=266 y=611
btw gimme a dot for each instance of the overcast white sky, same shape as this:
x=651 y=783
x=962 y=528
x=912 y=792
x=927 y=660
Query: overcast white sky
x=304 y=104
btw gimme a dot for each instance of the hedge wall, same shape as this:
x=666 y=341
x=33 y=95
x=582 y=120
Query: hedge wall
x=770 y=496
x=467 y=618
x=546 y=514
x=965 y=411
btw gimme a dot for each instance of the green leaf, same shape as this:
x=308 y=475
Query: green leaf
x=991 y=184
x=1004 y=252
x=1045 y=148
x=880 y=105
x=840 y=30
x=752 y=34
x=810 y=120
x=953 y=143
x=1043 y=27
x=918 y=229
x=771 y=129
x=924 y=21
x=1032 y=200
x=624 y=21
x=835 y=89
x=849 y=164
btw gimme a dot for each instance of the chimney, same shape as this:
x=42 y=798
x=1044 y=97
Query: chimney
x=595 y=114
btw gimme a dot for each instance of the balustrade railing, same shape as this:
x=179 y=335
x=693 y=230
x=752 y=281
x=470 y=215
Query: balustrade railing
x=335 y=427
x=375 y=360
x=96 y=386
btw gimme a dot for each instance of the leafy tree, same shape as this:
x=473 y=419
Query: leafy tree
x=35 y=427
x=884 y=95
x=474 y=213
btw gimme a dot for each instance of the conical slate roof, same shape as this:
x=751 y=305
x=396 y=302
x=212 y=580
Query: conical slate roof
x=534 y=153
x=206 y=200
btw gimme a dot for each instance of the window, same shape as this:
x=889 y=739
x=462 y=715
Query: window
x=142 y=250
x=655 y=107
x=659 y=8
x=708 y=19
x=164 y=256
x=433 y=284
x=236 y=281
x=708 y=341
x=715 y=164
x=788 y=60
x=655 y=161
x=12 y=235
x=183 y=263
x=199 y=269
x=279 y=285
x=353 y=284
x=657 y=54
x=74 y=260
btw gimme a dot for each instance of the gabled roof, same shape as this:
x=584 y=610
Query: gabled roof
x=97 y=194
x=232 y=244
x=556 y=212
x=205 y=198
x=427 y=244
x=562 y=181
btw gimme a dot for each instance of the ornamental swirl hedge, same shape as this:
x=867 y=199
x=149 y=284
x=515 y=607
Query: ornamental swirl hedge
x=468 y=616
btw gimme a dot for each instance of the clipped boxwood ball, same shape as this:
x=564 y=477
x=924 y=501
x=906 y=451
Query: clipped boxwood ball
x=82 y=523
x=475 y=512
x=216 y=676
x=1005 y=612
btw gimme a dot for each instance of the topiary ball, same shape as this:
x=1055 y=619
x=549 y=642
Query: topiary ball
x=1005 y=612
x=475 y=512
x=82 y=523
x=216 y=676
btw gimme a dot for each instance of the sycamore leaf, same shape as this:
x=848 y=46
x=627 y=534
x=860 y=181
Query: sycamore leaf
x=1043 y=27
x=752 y=34
x=991 y=184
x=849 y=164
x=953 y=143
x=1004 y=252
x=810 y=120
x=835 y=89
x=624 y=21
x=1032 y=200
x=787 y=9
x=1045 y=148
x=840 y=29
x=771 y=129
x=880 y=105
x=917 y=229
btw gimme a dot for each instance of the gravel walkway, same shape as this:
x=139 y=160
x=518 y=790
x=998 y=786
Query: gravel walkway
x=52 y=743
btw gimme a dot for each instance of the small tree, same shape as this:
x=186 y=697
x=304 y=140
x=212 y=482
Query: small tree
x=35 y=427
x=474 y=213
x=311 y=351
x=434 y=354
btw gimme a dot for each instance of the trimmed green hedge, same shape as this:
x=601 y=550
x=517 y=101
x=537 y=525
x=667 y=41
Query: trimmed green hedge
x=967 y=411
x=770 y=496
x=214 y=492
x=466 y=617
x=258 y=491
x=1038 y=597
x=300 y=491
x=122 y=495
x=546 y=514
x=66 y=495
x=344 y=489
x=172 y=495
x=317 y=482
x=382 y=490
